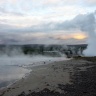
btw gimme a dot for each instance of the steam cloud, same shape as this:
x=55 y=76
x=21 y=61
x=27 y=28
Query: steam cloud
x=90 y=28
x=85 y=23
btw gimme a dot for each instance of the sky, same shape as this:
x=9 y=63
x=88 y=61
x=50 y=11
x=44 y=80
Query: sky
x=45 y=21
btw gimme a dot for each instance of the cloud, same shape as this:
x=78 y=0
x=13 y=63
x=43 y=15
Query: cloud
x=41 y=38
x=4 y=12
x=74 y=35
x=33 y=12
x=80 y=22
x=90 y=2
x=45 y=21
x=54 y=37
x=53 y=32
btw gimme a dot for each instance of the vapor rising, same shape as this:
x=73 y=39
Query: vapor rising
x=90 y=27
x=86 y=23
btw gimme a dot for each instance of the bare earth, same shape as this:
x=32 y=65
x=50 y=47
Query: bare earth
x=52 y=77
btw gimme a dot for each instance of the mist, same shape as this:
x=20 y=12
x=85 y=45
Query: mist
x=11 y=55
x=14 y=64
x=91 y=30
x=85 y=23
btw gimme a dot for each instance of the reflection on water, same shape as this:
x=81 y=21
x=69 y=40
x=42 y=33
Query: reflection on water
x=9 y=74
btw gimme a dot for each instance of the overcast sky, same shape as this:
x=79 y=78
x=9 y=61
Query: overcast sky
x=45 y=21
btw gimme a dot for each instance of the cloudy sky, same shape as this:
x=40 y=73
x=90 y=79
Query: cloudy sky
x=45 y=21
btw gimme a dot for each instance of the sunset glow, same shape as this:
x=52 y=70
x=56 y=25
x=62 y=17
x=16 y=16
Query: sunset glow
x=79 y=36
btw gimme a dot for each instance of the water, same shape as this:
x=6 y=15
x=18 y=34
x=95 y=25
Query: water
x=13 y=68
x=9 y=74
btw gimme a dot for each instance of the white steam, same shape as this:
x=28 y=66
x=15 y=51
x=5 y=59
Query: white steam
x=86 y=23
x=15 y=56
x=90 y=28
x=14 y=64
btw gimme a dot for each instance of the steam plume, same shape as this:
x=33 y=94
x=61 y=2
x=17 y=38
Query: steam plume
x=86 y=23
x=90 y=28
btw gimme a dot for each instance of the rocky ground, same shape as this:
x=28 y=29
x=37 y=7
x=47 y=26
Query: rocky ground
x=75 y=77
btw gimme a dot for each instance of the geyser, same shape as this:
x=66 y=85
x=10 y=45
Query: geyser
x=85 y=23
x=90 y=29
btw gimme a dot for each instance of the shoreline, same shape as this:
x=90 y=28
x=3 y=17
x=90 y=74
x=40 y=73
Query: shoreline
x=36 y=61
x=38 y=64
x=15 y=80
x=50 y=77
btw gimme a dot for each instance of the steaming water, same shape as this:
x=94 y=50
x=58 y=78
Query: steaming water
x=13 y=68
